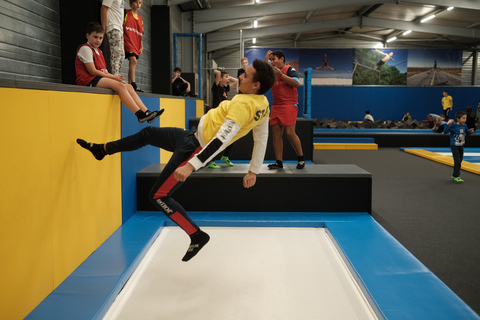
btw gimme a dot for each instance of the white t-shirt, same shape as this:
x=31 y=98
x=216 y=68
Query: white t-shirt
x=114 y=14
x=368 y=117
x=85 y=54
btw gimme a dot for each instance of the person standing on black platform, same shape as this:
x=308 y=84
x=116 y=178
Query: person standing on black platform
x=220 y=87
x=283 y=117
x=244 y=62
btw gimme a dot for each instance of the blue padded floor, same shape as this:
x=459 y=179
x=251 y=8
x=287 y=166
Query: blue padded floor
x=396 y=284
x=471 y=155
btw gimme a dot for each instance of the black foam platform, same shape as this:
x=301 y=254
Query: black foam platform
x=242 y=149
x=316 y=188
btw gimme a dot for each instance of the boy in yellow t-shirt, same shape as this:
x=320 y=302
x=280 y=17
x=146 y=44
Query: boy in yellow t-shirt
x=193 y=150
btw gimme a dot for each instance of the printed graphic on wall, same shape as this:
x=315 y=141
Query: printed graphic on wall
x=329 y=66
x=434 y=67
x=380 y=67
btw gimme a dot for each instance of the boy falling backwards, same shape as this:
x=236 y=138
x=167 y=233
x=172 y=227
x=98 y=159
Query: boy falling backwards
x=192 y=150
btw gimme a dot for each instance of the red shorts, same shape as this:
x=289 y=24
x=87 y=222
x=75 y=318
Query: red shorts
x=285 y=115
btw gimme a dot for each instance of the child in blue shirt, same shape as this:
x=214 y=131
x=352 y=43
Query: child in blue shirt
x=457 y=131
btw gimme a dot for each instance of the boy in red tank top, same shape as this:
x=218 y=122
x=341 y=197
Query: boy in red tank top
x=132 y=39
x=283 y=116
x=91 y=71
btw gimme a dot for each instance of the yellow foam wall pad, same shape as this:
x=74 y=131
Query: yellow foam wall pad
x=345 y=146
x=57 y=203
x=200 y=108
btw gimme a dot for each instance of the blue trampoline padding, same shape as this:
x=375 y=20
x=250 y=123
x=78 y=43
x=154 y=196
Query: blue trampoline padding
x=91 y=289
x=342 y=140
x=398 y=286
x=332 y=130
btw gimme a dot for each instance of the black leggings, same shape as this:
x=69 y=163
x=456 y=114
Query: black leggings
x=184 y=145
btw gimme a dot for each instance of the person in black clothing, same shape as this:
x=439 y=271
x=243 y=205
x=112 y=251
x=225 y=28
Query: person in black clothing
x=220 y=87
x=244 y=62
x=470 y=118
x=180 y=86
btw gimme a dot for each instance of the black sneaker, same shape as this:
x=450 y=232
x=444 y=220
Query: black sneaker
x=155 y=114
x=150 y=116
x=139 y=90
x=275 y=165
x=301 y=165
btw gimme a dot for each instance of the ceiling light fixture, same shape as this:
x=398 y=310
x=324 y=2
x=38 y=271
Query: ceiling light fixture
x=392 y=39
x=450 y=8
x=255 y=23
x=407 y=32
x=254 y=40
x=257 y=1
x=428 y=18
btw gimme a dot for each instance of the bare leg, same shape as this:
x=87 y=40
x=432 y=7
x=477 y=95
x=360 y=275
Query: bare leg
x=294 y=140
x=122 y=89
x=136 y=98
x=277 y=133
x=131 y=69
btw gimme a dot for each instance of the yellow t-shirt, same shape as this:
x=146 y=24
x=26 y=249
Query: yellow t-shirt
x=447 y=102
x=247 y=110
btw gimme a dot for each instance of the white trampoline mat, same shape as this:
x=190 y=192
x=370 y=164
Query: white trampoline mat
x=243 y=274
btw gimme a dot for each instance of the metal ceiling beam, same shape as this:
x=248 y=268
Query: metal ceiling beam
x=345 y=23
x=286 y=29
x=421 y=27
x=464 y=4
x=207 y=27
x=268 y=9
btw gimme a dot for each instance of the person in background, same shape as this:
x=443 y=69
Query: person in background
x=91 y=70
x=447 y=104
x=368 y=116
x=407 y=117
x=132 y=35
x=244 y=62
x=457 y=131
x=220 y=87
x=440 y=123
x=180 y=86
x=478 y=111
x=284 y=108
x=470 y=118
x=111 y=16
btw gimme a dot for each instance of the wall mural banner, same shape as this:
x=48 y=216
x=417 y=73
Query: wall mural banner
x=380 y=67
x=434 y=67
x=329 y=66
x=394 y=67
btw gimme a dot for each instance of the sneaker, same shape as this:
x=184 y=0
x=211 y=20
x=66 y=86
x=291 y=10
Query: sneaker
x=213 y=165
x=225 y=159
x=139 y=90
x=275 y=165
x=151 y=116
x=458 y=179
x=301 y=165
